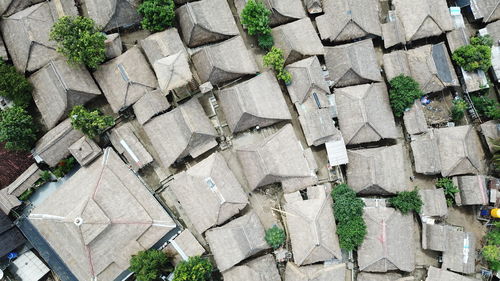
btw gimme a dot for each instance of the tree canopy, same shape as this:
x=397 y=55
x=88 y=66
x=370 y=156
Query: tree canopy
x=91 y=123
x=14 y=86
x=150 y=265
x=255 y=17
x=17 y=129
x=194 y=269
x=276 y=61
x=403 y=91
x=476 y=55
x=157 y=15
x=275 y=237
x=407 y=201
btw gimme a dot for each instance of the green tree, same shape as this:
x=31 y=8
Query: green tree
x=14 y=86
x=276 y=61
x=255 y=17
x=150 y=265
x=157 y=14
x=351 y=233
x=486 y=107
x=485 y=40
x=407 y=201
x=404 y=90
x=449 y=189
x=17 y=129
x=458 y=109
x=194 y=269
x=491 y=253
x=79 y=39
x=91 y=123
x=275 y=237
x=473 y=57
x=45 y=176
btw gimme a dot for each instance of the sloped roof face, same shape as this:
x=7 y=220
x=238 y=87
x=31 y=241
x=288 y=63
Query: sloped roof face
x=473 y=190
x=490 y=131
x=101 y=11
x=434 y=236
x=307 y=79
x=125 y=141
x=224 y=61
x=393 y=31
x=161 y=44
x=460 y=151
x=353 y=64
x=24 y=181
x=346 y=20
x=457 y=37
x=316 y=272
x=434 y=202
x=276 y=158
x=173 y=72
x=85 y=150
x=414 y=119
x=259 y=269
x=10 y=237
x=312 y=229
x=488 y=9
x=256 y=102
x=236 y=240
x=377 y=171
x=99 y=218
x=58 y=87
x=206 y=21
x=112 y=14
x=209 y=193
x=425 y=152
x=184 y=131
x=389 y=243
x=424 y=18
x=460 y=254
x=493 y=29
x=318 y=126
x=150 y=105
x=297 y=39
x=365 y=114
x=26 y=33
x=437 y=274
x=125 y=79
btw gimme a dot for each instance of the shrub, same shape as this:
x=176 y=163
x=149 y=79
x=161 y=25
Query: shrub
x=91 y=123
x=491 y=254
x=64 y=167
x=486 y=107
x=26 y=194
x=407 y=201
x=45 y=176
x=157 y=14
x=266 y=42
x=17 y=129
x=449 y=189
x=14 y=86
x=473 y=57
x=276 y=61
x=403 y=92
x=347 y=207
x=194 y=269
x=275 y=237
x=351 y=233
x=458 y=109
x=485 y=40
x=79 y=39
x=255 y=17
x=149 y=265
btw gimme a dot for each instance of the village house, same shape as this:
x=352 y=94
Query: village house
x=484 y=10
x=438 y=274
x=414 y=119
x=152 y=104
x=183 y=246
x=490 y=131
x=473 y=190
x=125 y=140
x=425 y=153
x=493 y=29
x=163 y=44
x=434 y=203
x=112 y=14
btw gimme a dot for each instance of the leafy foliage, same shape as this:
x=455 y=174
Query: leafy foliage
x=266 y=41
x=14 y=86
x=194 y=269
x=449 y=189
x=26 y=194
x=91 y=123
x=64 y=167
x=485 y=40
x=351 y=233
x=150 y=265
x=157 y=14
x=17 y=129
x=79 y=39
x=476 y=55
x=45 y=176
x=458 y=109
x=275 y=237
x=276 y=61
x=496 y=154
x=491 y=254
x=486 y=107
x=255 y=17
x=403 y=92
x=407 y=201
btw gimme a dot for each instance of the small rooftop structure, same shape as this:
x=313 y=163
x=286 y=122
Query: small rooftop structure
x=54 y=145
x=206 y=21
x=125 y=79
x=163 y=44
x=85 y=150
x=460 y=151
x=112 y=14
x=281 y=12
x=434 y=203
x=473 y=190
x=439 y=274
x=255 y=102
x=364 y=113
x=150 y=105
x=125 y=140
x=346 y=20
x=414 y=119
x=298 y=40
x=491 y=131
x=99 y=218
x=389 y=243
x=28 y=267
x=429 y=65
x=352 y=64
x=311 y=226
x=26 y=180
x=237 y=240
x=308 y=79
x=425 y=152
x=184 y=131
x=278 y=158
x=259 y=269
x=10 y=237
x=183 y=246
x=225 y=61
x=317 y=272
x=377 y=171
x=485 y=10
x=173 y=71
x=26 y=33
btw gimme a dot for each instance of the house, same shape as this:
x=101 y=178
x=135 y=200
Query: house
x=490 y=131
x=255 y=102
x=125 y=140
x=364 y=113
x=112 y=14
x=125 y=79
x=173 y=72
x=206 y=21
x=163 y=44
x=259 y=269
x=58 y=87
x=278 y=158
x=393 y=31
x=225 y=61
x=485 y=10
x=150 y=105
x=353 y=64
x=298 y=40
x=346 y=20
x=429 y=65
x=377 y=171
x=439 y=274
x=281 y=12
x=316 y=272
x=184 y=131
x=434 y=203
x=183 y=246
x=85 y=150
x=10 y=236
x=473 y=190
x=54 y=145
x=493 y=29
x=27 y=37
x=26 y=180
x=425 y=152
x=311 y=226
x=209 y=193
x=237 y=240
x=460 y=151
x=414 y=119
x=389 y=243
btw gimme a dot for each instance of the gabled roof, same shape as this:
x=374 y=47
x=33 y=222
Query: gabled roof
x=259 y=269
x=183 y=246
x=425 y=152
x=393 y=31
x=209 y=193
x=24 y=181
x=318 y=126
x=281 y=11
x=434 y=203
x=473 y=190
x=439 y=274
x=317 y=272
x=389 y=276
x=184 y=131
x=173 y=71
x=85 y=150
x=345 y=20
x=206 y=21
x=365 y=114
x=112 y=14
x=255 y=102
x=125 y=141
x=307 y=79
x=487 y=10
x=150 y=105
x=414 y=119
x=161 y=44
x=352 y=64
